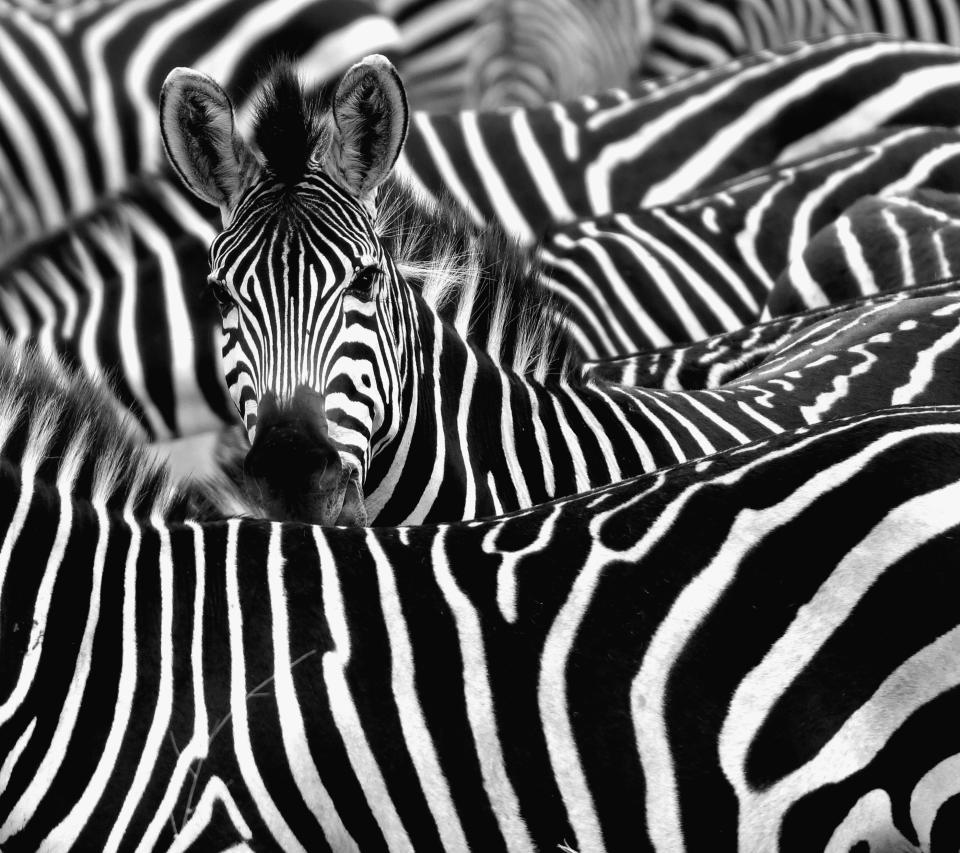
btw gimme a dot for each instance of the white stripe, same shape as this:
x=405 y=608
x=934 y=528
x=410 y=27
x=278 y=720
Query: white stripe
x=480 y=704
x=417 y=738
x=239 y=694
x=344 y=710
x=297 y=747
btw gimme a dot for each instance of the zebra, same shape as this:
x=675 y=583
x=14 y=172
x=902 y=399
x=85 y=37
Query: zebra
x=117 y=295
x=724 y=358
x=603 y=670
x=468 y=55
x=79 y=83
x=902 y=238
x=368 y=398
x=653 y=277
x=614 y=151
x=690 y=33
x=70 y=290
x=40 y=280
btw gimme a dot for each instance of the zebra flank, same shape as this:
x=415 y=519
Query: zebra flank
x=730 y=255
x=714 y=361
x=604 y=670
x=882 y=243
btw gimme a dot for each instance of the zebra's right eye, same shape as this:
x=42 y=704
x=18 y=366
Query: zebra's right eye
x=221 y=293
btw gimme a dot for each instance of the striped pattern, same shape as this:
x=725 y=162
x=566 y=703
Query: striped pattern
x=881 y=243
x=458 y=54
x=680 y=272
x=714 y=361
x=80 y=82
x=121 y=295
x=691 y=33
x=591 y=156
x=609 y=669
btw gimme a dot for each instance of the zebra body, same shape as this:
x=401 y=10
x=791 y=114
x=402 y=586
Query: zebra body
x=596 y=673
x=715 y=361
x=691 y=33
x=368 y=398
x=881 y=243
x=79 y=84
x=118 y=294
x=532 y=169
x=643 y=279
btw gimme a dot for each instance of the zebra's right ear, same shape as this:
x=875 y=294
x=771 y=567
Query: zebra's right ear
x=200 y=137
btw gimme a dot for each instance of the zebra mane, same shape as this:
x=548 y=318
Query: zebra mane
x=480 y=281
x=56 y=424
x=290 y=122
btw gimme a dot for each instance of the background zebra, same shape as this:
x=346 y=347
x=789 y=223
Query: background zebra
x=690 y=33
x=79 y=82
x=897 y=240
x=531 y=169
x=679 y=272
x=712 y=362
x=603 y=671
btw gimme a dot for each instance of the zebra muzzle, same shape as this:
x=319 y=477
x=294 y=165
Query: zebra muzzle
x=293 y=470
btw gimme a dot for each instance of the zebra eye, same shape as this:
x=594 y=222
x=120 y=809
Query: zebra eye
x=364 y=282
x=221 y=294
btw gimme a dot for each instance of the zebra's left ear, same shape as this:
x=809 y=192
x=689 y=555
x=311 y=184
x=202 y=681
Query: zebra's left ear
x=370 y=110
x=200 y=137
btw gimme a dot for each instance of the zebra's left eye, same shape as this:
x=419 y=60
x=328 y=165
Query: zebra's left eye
x=364 y=282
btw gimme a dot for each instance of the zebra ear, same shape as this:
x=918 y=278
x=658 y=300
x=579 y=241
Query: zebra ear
x=370 y=110
x=200 y=137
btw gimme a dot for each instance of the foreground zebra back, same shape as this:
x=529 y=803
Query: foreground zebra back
x=598 y=673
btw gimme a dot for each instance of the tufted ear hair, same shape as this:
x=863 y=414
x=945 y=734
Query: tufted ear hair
x=201 y=139
x=371 y=115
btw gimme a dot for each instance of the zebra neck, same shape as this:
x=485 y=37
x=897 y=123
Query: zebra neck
x=477 y=440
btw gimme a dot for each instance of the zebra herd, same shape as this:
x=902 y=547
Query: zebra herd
x=583 y=476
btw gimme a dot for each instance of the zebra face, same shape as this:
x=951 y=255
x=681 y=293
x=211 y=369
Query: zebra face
x=310 y=349
x=312 y=318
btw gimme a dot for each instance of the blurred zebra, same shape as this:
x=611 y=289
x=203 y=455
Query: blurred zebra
x=692 y=33
x=79 y=83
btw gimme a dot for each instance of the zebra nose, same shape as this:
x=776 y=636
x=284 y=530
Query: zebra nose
x=291 y=461
x=296 y=470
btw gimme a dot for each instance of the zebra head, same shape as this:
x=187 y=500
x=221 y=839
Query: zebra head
x=313 y=350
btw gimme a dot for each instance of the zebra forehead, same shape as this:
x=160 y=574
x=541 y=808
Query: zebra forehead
x=291 y=125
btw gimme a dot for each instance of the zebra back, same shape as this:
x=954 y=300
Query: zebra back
x=597 y=673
